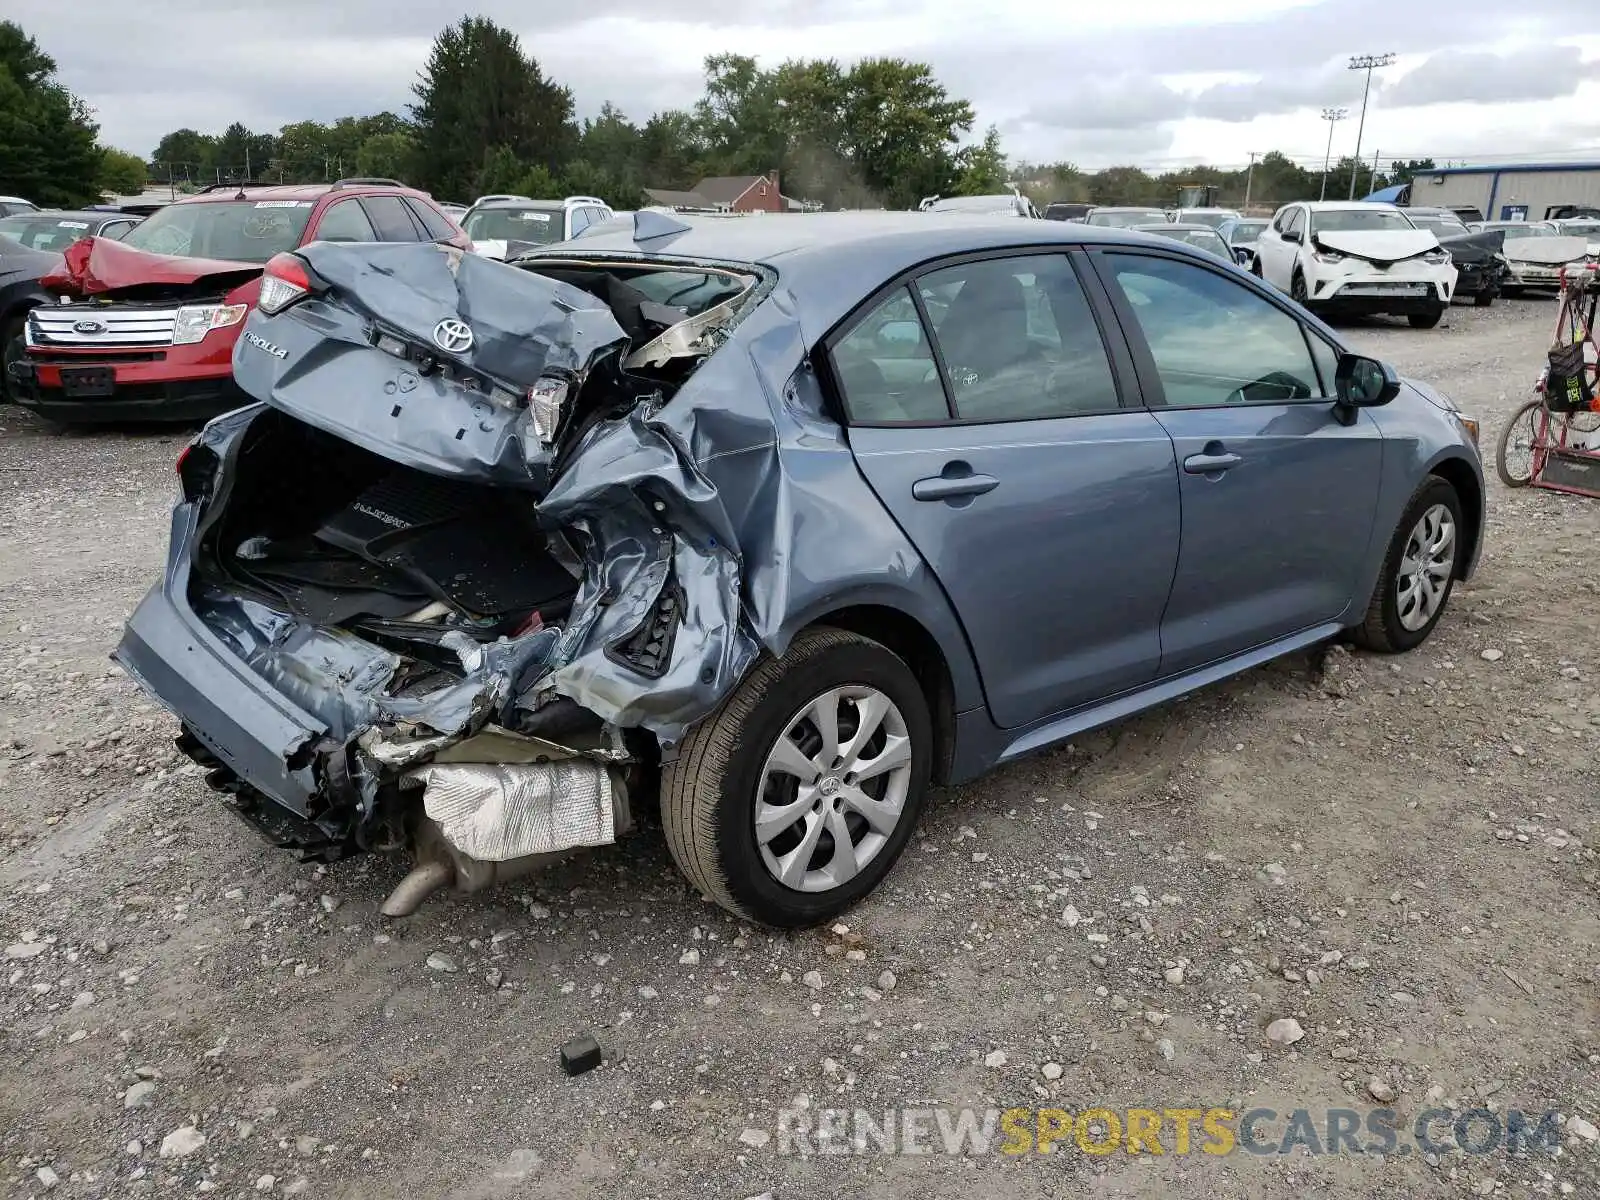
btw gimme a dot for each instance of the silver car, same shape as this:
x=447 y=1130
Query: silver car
x=777 y=524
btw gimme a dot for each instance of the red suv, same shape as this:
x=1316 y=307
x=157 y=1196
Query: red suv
x=144 y=327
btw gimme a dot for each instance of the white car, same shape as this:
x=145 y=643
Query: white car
x=1535 y=253
x=10 y=206
x=1357 y=257
x=496 y=223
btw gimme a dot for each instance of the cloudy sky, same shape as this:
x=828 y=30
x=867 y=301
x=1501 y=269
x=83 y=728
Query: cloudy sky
x=1154 y=82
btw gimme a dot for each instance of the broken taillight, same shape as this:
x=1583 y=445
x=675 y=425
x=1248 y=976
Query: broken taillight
x=284 y=282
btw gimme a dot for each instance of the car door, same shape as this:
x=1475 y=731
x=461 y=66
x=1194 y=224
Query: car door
x=1275 y=252
x=1279 y=492
x=1047 y=509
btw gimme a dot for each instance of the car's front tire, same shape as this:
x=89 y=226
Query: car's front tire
x=1418 y=572
x=1297 y=288
x=1426 y=320
x=1484 y=298
x=794 y=799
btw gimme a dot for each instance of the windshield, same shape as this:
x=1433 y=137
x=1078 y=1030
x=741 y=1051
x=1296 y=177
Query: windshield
x=1521 y=229
x=541 y=225
x=1358 y=220
x=1201 y=239
x=1126 y=218
x=1207 y=216
x=52 y=232
x=1447 y=226
x=246 y=231
x=1246 y=231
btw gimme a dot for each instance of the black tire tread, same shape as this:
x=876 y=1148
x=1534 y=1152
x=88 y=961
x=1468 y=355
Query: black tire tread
x=691 y=784
x=1373 y=634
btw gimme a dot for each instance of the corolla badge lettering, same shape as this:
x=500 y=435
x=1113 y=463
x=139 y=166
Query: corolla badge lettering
x=261 y=343
x=452 y=336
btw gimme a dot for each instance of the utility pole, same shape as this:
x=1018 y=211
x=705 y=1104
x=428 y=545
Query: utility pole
x=247 y=174
x=1331 y=116
x=1249 y=177
x=1364 y=62
x=1374 y=170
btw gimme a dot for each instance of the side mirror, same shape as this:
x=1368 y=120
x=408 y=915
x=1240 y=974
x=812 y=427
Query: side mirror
x=1361 y=382
x=1295 y=236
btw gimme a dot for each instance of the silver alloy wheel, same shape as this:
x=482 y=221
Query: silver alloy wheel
x=1426 y=567
x=833 y=788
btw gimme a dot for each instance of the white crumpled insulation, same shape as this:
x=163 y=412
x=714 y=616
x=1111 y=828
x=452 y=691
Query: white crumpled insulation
x=495 y=812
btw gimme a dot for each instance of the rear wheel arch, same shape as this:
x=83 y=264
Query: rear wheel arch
x=911 y=642
x=11 y=321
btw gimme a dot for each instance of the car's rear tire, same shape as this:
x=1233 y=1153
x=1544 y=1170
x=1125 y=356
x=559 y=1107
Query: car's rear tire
x=1426 y=320
x=1418 y=573
x=750 y=760
x=1483 y=299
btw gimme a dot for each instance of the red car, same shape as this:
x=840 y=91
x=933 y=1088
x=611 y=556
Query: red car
x=144 y=328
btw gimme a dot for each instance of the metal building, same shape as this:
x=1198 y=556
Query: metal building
x=1510 y=192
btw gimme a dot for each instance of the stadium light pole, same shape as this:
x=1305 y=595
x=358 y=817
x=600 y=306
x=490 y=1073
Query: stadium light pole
x=1331 y=116
x=1364 y=62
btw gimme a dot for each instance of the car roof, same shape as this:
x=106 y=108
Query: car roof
x=293 y=191
x=830 y=262
x=1128 y=208
x=529 y=203
x=1344 y=205
x=1186 y=226
x=74 y=214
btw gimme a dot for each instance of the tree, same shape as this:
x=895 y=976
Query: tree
x=121 y=173
x=982 y=167
x=184 y=154
x=386 y=155
x=479 y=92
x=900 y=129
x=48 y=150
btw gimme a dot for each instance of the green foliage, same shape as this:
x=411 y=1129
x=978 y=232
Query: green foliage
x=48 y=150
x=982 y=167
x=121 y=173
x=386 y=155
x=478 y=95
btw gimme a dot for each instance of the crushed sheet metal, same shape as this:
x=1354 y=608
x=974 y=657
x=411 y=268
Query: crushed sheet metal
x=688 y=491
x=496 y=812
x=91 y=266
x=525 y=328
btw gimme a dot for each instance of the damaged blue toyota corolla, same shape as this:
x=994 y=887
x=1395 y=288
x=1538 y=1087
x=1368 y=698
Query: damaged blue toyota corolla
x=784 y=519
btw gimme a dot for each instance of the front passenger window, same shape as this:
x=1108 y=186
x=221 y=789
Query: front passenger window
x=1214 y=341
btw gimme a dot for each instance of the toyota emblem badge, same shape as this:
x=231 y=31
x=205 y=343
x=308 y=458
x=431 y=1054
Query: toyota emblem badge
x=452 y=336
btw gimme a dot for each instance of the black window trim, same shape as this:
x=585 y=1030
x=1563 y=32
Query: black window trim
x=1123 y=374
x=419 y=213
x=1144 y=360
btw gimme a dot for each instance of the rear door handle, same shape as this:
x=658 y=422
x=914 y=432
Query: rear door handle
x=1207 y=464
x=955 y=481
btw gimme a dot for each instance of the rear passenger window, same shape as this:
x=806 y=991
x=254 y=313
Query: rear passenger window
x=391 y=219
x=885 y=366
x=1018 y=339
x=345 y=222
x=437 y=227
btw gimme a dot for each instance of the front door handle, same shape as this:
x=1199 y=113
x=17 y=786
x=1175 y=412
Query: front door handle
x=1209 y=464
x=955 y=481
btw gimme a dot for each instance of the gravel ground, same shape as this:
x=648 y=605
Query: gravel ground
x=1393 y=854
